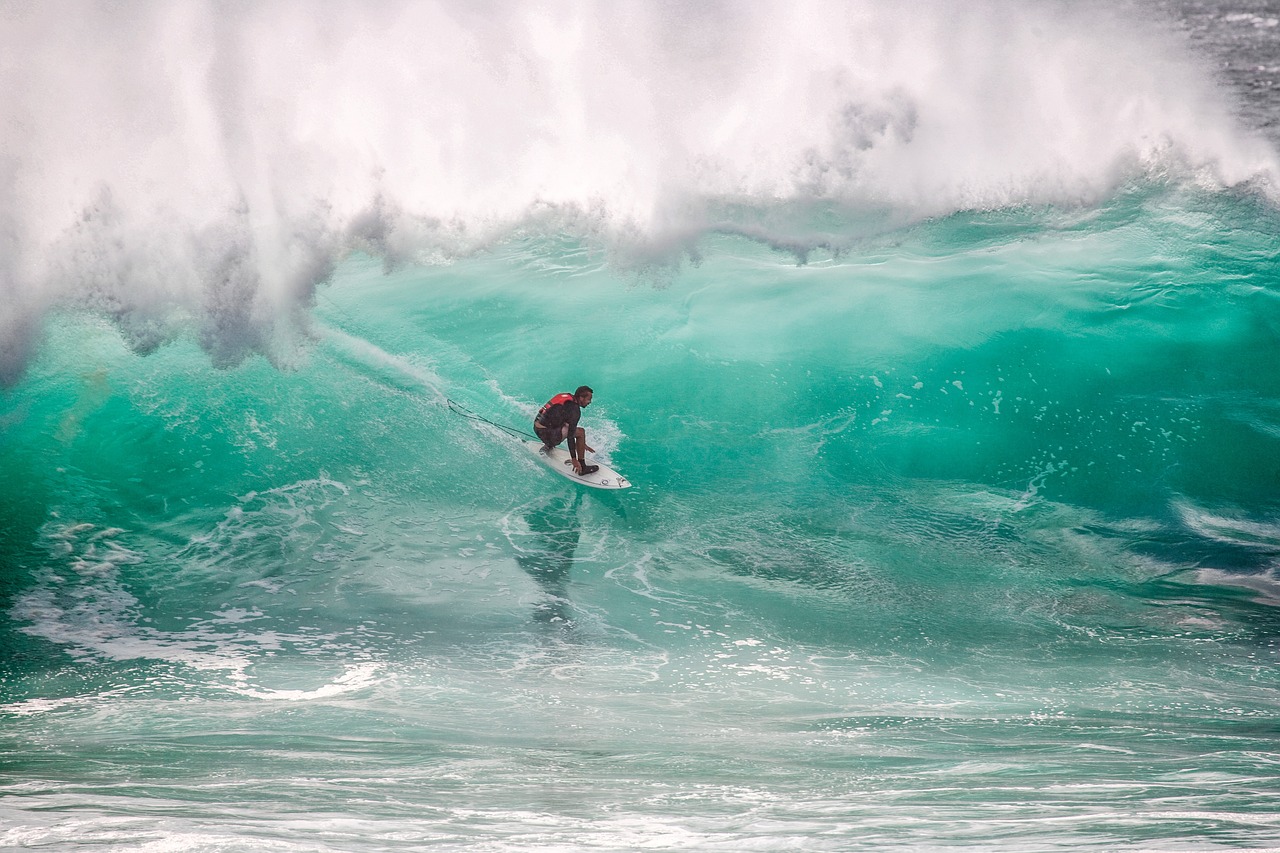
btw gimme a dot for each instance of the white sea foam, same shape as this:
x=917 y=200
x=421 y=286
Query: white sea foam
x=354 y=678
x=201 y=166
x=83 y=603
x=1231 y=529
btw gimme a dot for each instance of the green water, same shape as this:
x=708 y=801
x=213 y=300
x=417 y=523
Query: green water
x=965 y=536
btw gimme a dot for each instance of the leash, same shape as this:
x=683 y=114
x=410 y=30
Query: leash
x=459 y=409
x=454 y=406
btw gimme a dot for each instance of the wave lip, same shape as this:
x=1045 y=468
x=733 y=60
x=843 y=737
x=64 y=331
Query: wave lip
x=227 y=168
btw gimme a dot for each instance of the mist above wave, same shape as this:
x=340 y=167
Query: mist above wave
x=202 y=166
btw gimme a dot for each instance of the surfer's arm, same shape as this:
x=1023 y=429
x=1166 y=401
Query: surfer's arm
x=578 y=446
x=572 y=435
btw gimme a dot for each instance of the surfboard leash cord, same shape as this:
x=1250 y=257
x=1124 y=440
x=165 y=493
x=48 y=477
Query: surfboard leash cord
x=460 y=409
x=454 y=406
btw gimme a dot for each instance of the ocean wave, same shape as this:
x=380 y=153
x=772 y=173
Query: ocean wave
x=203 y=167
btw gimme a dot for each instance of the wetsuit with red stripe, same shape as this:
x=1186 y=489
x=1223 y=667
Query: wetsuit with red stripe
x=550 y=424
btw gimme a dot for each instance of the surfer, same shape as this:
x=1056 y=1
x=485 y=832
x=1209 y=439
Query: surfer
x=558 y=420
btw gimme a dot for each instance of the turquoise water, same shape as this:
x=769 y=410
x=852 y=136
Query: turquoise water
x=950 y=528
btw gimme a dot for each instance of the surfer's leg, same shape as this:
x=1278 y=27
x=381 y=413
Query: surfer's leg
x=580 y=463
x=550 y=437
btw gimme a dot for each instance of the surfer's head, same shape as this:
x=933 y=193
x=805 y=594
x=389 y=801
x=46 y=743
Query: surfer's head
x=583 y=395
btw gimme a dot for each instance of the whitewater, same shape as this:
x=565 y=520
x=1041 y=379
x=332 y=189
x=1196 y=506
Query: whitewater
x=939 y=342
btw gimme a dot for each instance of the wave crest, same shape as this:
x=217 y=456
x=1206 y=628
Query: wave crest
x=203 y=166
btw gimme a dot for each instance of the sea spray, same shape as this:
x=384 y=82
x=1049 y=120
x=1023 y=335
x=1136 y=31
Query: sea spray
x=200 y=168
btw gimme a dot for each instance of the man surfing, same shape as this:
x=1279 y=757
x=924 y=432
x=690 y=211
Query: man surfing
x=558 y=420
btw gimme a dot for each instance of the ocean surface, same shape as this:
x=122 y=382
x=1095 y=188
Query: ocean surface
x=940 y=341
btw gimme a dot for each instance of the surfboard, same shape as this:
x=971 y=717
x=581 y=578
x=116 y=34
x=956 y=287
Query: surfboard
x=558 y=460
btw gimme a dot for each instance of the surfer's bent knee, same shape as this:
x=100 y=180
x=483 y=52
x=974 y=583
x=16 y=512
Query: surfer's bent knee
x=552 y=436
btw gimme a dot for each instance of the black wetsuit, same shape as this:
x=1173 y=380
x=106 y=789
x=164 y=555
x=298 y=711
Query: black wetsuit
x=560 y=411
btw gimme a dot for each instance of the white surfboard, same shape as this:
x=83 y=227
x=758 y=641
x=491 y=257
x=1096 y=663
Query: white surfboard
x=558 y=460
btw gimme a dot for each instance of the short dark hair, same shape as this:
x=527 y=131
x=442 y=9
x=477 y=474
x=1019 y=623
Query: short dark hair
x=583 y=389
